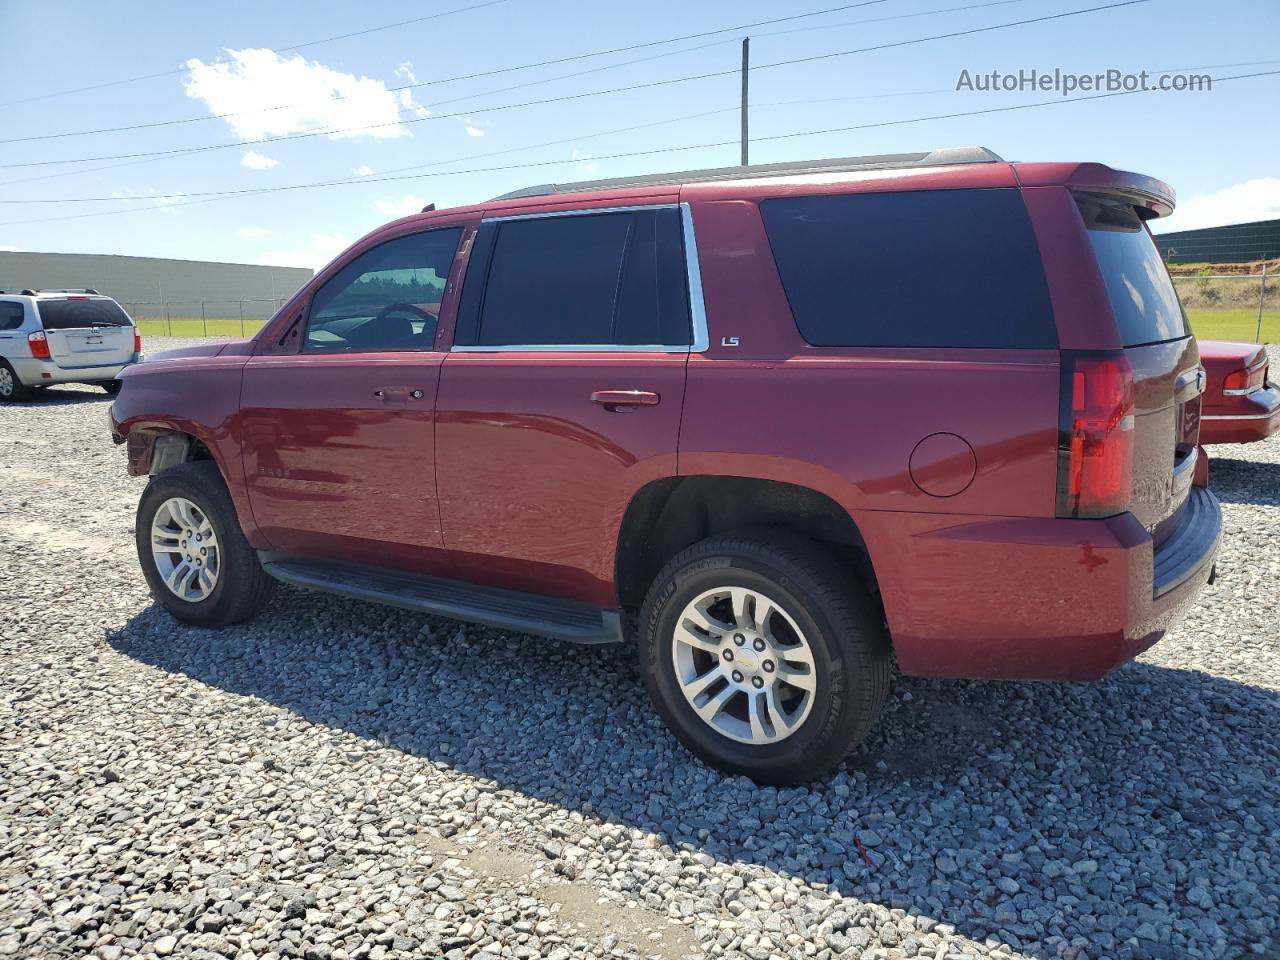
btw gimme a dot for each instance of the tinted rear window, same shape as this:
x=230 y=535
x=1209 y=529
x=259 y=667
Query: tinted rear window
x=1138 y=285
x=936 y=268
x=72 y=314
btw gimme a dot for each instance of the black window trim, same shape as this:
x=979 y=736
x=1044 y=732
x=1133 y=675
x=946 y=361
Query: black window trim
x=693 y=278
x=303 y=323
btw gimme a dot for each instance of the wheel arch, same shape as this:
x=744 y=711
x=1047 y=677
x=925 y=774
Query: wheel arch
x=665 y=516
x=153 y=446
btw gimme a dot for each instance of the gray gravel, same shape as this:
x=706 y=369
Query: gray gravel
x=338 y=780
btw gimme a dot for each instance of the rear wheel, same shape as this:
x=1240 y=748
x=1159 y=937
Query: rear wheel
x=111 y=386
x=193 y=554
x=12 y=390
x=764 y=655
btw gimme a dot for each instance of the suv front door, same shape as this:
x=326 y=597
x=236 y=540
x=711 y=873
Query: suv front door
x=562 y=394
x=339 y=435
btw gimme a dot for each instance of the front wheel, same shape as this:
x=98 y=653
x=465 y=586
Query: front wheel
x=764 y=655
x=111 y=386
x=193 y=554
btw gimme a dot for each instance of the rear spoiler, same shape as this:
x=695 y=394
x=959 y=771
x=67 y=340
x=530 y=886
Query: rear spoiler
x=1151 y=198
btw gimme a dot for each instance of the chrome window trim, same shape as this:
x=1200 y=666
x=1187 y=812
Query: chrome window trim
x=693 y=271
x=1242 y=416
x=693 y=278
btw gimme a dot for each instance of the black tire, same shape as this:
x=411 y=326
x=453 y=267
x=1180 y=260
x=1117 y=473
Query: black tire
x=110 y=386
x=830 y=606
x=242 y=587
x=12 y=390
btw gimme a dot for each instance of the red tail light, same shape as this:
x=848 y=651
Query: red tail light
x=137 y=343
x=39 y=345
x=1095 y=446
x=1239 y=382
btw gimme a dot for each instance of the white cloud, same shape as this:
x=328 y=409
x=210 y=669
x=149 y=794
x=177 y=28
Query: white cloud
x=474 y=131
x=1252 y=200
x=10 y=249
x=310 y=97
x=405 y=99
x=253 y=231
x=584 y=161
x=258 y=161
x=363 y=170
x=400 y=206
x=164 y=203
x=405 y=70
x=320 y=249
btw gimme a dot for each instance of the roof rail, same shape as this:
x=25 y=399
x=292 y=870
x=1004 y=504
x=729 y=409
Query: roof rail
x=932 y=158
x=71 y=290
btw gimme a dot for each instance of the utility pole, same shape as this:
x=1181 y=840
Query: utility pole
x=746 y=66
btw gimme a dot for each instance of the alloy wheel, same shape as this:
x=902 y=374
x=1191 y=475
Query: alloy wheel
x=185 y=549
x=744 y=665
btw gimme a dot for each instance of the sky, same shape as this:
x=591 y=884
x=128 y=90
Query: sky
x=443 y=105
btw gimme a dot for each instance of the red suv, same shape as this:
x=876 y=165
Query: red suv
x=776 y=425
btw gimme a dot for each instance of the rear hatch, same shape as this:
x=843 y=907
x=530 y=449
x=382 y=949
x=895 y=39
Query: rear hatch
x=86 y=331
x=1140 y=404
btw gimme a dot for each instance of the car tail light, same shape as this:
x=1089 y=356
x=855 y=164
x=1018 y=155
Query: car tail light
x=1095 y=440
x=39 y=345
x=1239 y=382
x=137 y=343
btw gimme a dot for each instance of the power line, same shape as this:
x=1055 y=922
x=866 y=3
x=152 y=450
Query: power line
x=651 y=152
x=483 y=73
x=846 y=23
x=296 y=46
x=578 y=138
x=584 y=95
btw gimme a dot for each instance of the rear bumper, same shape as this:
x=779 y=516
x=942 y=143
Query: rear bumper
x=1043 y=599
x=35 y=373
x=1246 y=419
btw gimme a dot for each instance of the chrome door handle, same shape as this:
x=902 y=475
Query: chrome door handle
x=616 y=400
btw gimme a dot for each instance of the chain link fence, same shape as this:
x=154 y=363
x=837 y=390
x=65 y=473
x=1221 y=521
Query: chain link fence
x=1231 y=306
x=201 y=318
x=1221 y=306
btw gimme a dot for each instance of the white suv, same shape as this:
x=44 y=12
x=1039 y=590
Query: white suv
x=63 y=336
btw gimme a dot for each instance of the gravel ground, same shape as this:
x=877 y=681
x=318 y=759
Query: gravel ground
x=341 y=780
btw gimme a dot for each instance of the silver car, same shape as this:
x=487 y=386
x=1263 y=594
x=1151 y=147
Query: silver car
x=63 y=336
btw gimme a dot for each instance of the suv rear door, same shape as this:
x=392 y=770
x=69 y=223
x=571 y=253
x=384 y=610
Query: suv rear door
x=86 y=331
x=562 y=394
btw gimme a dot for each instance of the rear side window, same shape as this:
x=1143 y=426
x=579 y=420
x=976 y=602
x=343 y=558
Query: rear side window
x=73 y=314
x=584 y=279
x=10 y=316
x=928 y=268
x=1142 y=297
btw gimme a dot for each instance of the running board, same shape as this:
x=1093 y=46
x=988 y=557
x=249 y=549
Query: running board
x=491 y=606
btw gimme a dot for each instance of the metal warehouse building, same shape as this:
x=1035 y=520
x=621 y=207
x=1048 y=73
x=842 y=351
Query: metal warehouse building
x=1237 y=243
x=184 y=296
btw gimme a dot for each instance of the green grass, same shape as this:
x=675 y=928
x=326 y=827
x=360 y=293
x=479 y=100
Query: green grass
x=1235 y=324
x=1207 y=324
x=195 y=327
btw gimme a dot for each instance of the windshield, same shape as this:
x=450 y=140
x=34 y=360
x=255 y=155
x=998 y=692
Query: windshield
x=73 y=314
x=1138 y=285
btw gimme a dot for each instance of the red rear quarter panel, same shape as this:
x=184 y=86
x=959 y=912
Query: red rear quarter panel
x=846 y=422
